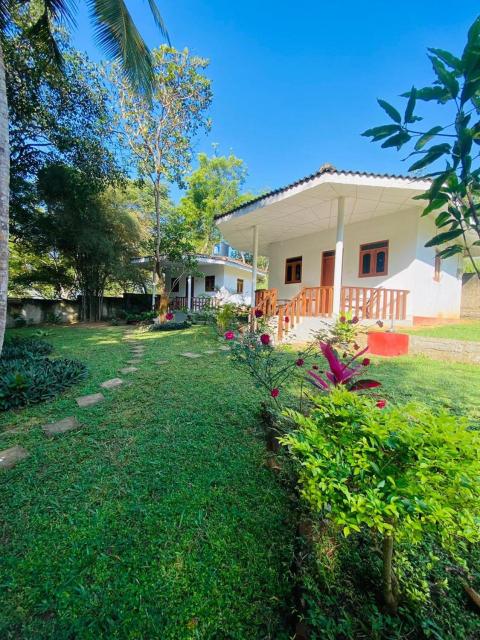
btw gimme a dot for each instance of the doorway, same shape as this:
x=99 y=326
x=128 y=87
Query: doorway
x=328 y=268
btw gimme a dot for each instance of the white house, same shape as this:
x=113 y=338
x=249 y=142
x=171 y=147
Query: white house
x=351 y=241
x=220 y=277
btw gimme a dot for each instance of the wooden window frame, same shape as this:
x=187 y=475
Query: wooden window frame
x=240 y=289
x=176 y=288
x=373 y=259
x=293 y=262
x=212 y=289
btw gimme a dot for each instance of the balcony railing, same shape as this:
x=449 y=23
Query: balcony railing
x=197 y=304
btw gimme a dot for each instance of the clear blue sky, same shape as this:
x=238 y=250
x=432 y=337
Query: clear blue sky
x=296 y=83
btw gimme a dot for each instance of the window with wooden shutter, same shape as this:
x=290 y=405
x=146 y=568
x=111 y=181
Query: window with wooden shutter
x=293 y=270
x=373 y=259
x=209 y=283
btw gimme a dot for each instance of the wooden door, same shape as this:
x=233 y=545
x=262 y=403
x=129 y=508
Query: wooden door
x=328 y=267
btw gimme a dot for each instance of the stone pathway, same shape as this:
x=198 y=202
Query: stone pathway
x=10 y=457
x=161 y=362
x=113 y=383
x=62 y=426
x=190 y=354
x=90 y=400
x=128 y=370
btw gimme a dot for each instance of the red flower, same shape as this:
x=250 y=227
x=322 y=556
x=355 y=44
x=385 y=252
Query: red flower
x=366 y=362
x=169 y=316
x=229 y=335
x=265 y=339
x=287 y=319
x=274 y=392
x=381 y=404
x=300 y=362
x=258 y=313
x=315 y=366
x=354 y=320
x=343 y=319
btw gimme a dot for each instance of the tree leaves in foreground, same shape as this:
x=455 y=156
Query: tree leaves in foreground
x=447 y=152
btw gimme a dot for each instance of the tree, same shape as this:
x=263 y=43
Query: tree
x=213 y=188
x=94 y=234
x=119 y=37
x=454 y=191
x=160 y=132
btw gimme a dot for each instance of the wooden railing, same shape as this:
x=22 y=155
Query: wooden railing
x=309 y=302
x=266 y=302
x=198 y=304
x=368 y=303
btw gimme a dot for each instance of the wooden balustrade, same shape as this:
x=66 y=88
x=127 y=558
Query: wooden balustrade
x=266 y=302
x=197 y=304
x=368 y=303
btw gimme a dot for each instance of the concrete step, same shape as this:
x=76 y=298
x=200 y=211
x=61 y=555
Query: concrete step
x=306 y=330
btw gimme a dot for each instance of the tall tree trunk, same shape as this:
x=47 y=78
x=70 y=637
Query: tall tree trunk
x=4 y=197
x=389 y=581
x=162 y=298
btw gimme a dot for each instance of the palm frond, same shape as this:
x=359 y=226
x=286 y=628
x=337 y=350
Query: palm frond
x=159 y=20
x=117 y=34
x=61 y=10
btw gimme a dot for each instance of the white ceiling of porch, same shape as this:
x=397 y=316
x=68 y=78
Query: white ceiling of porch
x=312 y=207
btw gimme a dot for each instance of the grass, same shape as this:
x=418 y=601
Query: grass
x=468 y=330
x=158 y=519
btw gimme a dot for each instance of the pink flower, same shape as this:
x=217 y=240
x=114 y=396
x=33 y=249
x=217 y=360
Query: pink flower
x=229 y=335
x=169 y=316
x=343 y=319
x=287 y=319
x=300 y=362
x=381 y=404
x=265 y=339
x=258 y=313
x=366 y=362
x=274 y=392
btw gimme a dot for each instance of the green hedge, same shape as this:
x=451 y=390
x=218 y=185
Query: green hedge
x=170 y=326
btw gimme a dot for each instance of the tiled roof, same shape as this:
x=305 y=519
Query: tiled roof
x=327 y=168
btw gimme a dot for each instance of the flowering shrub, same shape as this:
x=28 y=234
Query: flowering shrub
x=270 y=367
x=399 y=474
x=344 y=374
x=343 y=335
x=169 y=316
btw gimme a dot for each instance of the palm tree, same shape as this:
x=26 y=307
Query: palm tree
x=116 y=33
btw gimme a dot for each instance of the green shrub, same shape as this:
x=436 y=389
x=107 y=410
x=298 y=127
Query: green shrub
x=27 y=376
x=231 y=316
x=170 y=326
x=18 y=348
x=399 y=474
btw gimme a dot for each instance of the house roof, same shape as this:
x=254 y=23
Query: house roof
x=324 y=169
x=204 y=258
x=309 y=205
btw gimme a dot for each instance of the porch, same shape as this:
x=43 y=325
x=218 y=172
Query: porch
x=365 y=303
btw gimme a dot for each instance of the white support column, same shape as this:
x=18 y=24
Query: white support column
x=189 y=293
x=255 y=262
x=337 y=274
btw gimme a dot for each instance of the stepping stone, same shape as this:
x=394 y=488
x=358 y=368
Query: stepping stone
x=90 y=401
x=10 y=457
x=128 y=370
x=209 y=352
x=224 y=348
x=112 y=384
x=62 y=426
x=189 y=354
x=134 y=361
x=161 y=362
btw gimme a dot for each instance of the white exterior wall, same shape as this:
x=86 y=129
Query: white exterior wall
x=410 y=265
x=225 y=279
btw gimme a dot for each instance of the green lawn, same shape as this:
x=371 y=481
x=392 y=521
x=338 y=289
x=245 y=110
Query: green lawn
x=159 y=518
x=468 y=330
